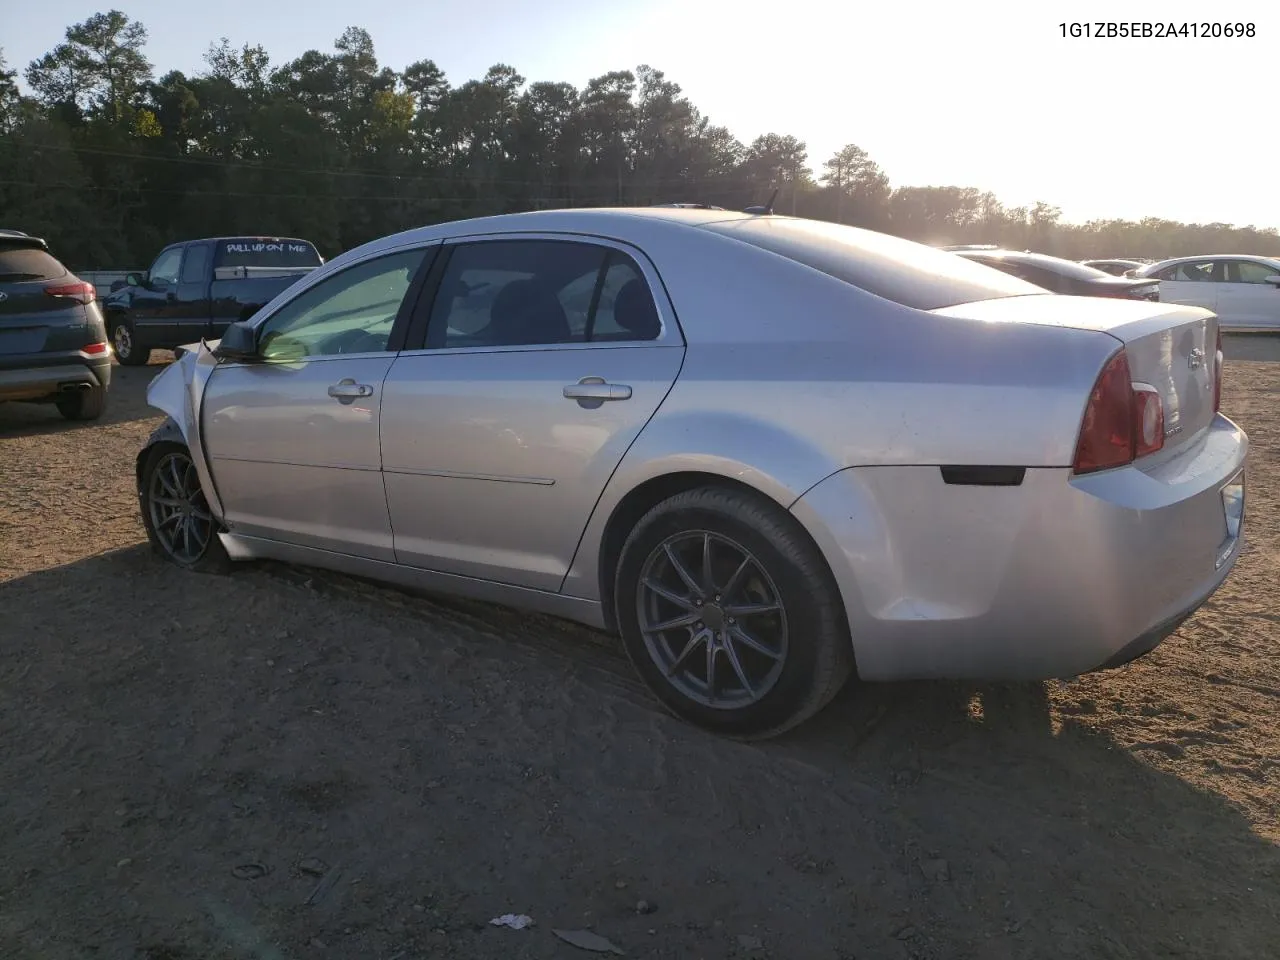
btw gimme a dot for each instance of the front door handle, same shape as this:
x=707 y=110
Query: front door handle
x=595 y=388
x=347 y=390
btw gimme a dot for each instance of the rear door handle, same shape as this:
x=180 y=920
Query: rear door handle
x=347 y=390
x=595 y=388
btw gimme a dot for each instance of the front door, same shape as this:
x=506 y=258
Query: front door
x=154 y=304
x=543 y=361
x=293 y=441
x=1246 y=299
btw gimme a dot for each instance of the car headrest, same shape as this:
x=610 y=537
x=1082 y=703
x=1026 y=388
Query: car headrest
x=633 y=311
x=526 y=312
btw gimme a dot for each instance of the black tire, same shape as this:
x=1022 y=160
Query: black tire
x=124 y=343
x=83 y=404
x=817 y=657
x=204 y=554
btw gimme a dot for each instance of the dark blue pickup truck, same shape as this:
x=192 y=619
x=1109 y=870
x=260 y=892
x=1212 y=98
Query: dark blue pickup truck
x=197 y=287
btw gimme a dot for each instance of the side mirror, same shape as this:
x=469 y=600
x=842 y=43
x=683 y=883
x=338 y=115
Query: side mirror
x=239 y=343
x=135 y=279
x=1274 y=280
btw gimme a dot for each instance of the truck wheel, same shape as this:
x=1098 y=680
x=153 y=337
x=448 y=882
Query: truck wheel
x=124 y=341
x=83 y=404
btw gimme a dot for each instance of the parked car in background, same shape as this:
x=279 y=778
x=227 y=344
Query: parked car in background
x=1117 y=268
x=197 y=287
x=53 y=342
x=770 y=452
x=1243 y=291
x=1062 y=276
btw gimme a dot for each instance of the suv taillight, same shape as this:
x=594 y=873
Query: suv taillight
x=1122 y=421
x=80 y=292
x=1217 y=373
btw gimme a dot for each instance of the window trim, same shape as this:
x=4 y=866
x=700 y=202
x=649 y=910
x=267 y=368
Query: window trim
x=670 y=334
x=399 y=327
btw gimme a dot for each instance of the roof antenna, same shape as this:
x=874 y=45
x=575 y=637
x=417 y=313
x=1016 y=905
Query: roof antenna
x=767 y=208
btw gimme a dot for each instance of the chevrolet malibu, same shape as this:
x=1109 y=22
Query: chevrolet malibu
x=770 y=453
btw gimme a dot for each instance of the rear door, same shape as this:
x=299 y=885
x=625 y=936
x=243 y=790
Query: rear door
x=155 y=302
x=543 y=359
x=33 y=319
x=1245 y=299
x=191 y=307
x=1191 y=282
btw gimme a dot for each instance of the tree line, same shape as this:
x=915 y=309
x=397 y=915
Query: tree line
x=110 y=163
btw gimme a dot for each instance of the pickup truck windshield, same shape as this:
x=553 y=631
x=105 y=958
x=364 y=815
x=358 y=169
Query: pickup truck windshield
x=265 y=252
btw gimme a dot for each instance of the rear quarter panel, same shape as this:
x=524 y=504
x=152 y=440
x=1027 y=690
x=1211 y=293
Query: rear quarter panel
x=791 y=375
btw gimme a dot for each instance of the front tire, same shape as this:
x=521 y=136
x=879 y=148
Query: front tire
x=730 y=614
x=124 y=342
x=87 y=404
x=176 y=515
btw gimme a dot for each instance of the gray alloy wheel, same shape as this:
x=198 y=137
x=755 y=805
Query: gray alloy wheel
x=174 y=510
x=712 y=619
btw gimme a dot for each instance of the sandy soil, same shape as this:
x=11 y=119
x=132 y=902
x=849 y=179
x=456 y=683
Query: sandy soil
x=282 y=764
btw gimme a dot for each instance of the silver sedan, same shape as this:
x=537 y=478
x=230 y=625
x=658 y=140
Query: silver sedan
x=770 y=453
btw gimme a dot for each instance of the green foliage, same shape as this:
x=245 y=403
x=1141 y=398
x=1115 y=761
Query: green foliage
x=110 y=163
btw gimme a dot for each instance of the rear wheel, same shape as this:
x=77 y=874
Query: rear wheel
x=124 y=342
x=87 y=404
x=730 y=614
x=179 y=524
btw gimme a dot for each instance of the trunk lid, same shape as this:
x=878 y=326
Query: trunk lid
x=1171 y=347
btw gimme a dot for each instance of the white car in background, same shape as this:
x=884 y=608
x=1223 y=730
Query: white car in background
x=1243 y=291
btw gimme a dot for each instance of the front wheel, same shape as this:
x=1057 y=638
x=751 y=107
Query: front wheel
x=730 y=614
x=124 y=341
x=179 y=524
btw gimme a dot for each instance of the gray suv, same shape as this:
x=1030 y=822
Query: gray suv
x=53 y=342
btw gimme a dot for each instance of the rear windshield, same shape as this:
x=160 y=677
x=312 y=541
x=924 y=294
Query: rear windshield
x=19 y=263
x=265 y=252
x=899 y=270
x=1063 y=268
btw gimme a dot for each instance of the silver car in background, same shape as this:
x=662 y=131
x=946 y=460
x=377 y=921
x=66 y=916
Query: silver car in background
x=768 y=452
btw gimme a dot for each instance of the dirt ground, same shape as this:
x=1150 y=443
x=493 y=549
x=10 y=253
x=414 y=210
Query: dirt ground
x=283 y=764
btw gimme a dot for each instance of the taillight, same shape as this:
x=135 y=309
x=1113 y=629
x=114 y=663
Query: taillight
x=1217 y=373
x=1148 y=421
x=80 y=292
x=96 y=349
x=1122 y=420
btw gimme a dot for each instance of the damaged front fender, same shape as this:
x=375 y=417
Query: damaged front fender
x=178 y=391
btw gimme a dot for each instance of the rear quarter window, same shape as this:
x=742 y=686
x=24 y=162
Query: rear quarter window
x=18 y=264
x=262 y=252
x=899 y=270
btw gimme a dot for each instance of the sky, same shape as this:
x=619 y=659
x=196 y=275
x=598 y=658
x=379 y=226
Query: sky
x=980 y=93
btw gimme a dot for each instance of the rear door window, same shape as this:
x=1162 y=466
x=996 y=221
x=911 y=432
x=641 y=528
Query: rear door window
x=195 y=267
x=21 y=264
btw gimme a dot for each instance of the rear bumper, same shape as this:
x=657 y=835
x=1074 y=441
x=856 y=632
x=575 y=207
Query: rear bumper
x=1059 y=576
x=41 y=378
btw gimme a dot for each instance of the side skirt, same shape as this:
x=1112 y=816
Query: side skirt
x=587 y=612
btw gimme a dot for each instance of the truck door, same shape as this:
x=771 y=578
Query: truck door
x=191 y=305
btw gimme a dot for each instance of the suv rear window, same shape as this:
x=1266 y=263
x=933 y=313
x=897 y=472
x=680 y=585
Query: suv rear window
x=899 y=270
x=265 y=252
x=19 y=263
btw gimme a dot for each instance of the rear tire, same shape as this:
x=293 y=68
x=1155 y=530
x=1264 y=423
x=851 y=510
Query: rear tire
x=767 y=647
x=124 y=343
x=83 y=404
x=175 y=513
